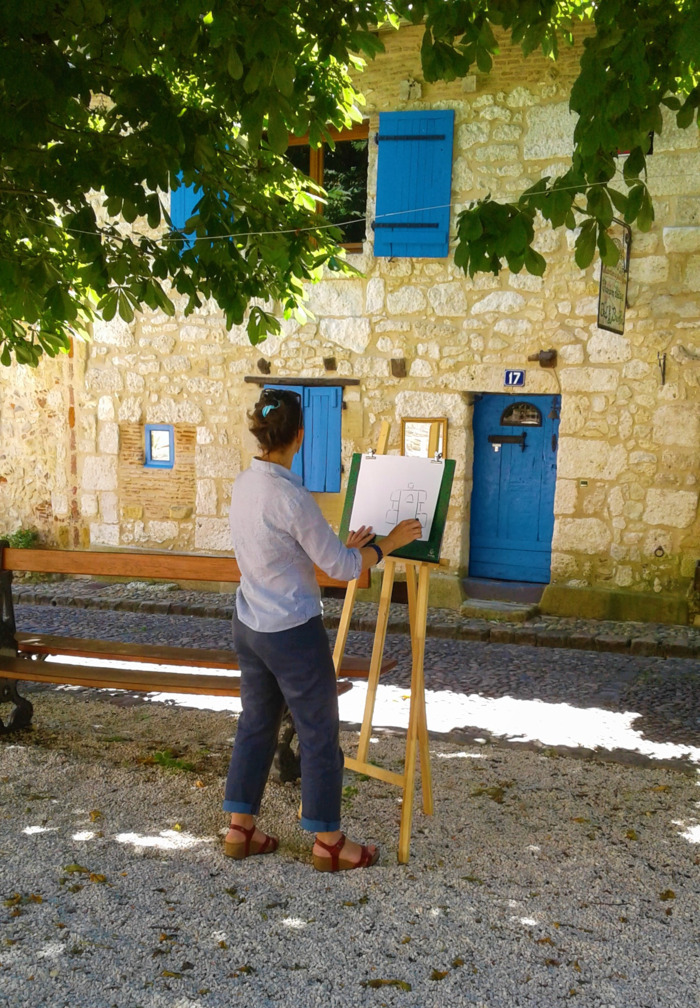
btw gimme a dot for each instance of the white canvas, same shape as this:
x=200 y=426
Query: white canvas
x=391 y=488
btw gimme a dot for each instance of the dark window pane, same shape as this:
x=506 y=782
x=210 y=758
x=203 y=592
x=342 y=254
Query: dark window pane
x=299 y=156
x=345 y=181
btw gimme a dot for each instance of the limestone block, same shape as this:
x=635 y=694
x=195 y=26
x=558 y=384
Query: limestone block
x=520 y=97
x=100 y=381
x=420 y=369
x=448 y=299
x=496 y=152
x=212 y=534
x=672 y=137
x=513 y=327
x=160 y=531
x=676 y=508
x=204 y=435
x=336 y=297
x=130 y=410
x=589 y=379
x=132 y=512
x=351 y=333
x=135 y=382
x=572 y=353
x=204 y=387
x=616 y=501
x=507 y=302
x=581 y=535
x=115 y=333
x=103 y=535
x=496 y=112
x=462 y=176
x=692 y=273
x=374 y=296
x=623 y=576
x=99 y=473
x=666 y=305
x=649 y=270
x=607 y=348
x=636 y=369
x=669 y=173
x=217 y=461
x=88 y=505
x=508 y=133
x=550 y=131
x=586 y=306
x=206 y=503
x=405 y=301
x=565 y=496
x=180 y=512
x=105 y=408
x=643 y=462
x=168 y=411
x=681 y=239
x=60 y=505
x=109 y=507
x=677 y=424
x=563 y=566
x=108 y=438
x=525 y=281
x=589 y=458
x=162 y=343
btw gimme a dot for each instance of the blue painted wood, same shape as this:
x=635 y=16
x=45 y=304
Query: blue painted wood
x=414 y=174
x=322 y=413
x=512 y=508
x=182 y=206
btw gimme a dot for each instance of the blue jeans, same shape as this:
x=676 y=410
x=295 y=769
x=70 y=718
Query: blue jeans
x=292 y=667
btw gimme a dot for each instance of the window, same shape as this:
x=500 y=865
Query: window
x=414 y=184
x=159 y=446
x=343 y=174
x=318 y=462
x=182 y=204
x=521 y=414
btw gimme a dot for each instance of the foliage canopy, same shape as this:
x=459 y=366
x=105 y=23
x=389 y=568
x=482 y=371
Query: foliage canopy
x=107 y=104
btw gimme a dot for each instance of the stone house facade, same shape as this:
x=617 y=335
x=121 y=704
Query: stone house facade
x=414 y=337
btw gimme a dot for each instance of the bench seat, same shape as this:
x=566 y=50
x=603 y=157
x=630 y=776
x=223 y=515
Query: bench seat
x=40 y=644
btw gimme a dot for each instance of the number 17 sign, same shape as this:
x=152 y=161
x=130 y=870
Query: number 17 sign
x=514 y=378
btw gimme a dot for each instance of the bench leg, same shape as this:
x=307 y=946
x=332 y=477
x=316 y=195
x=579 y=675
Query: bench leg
x=286 y=766
x=21 y=713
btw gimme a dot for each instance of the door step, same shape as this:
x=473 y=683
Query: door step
x=503 y=612
x=525 y=592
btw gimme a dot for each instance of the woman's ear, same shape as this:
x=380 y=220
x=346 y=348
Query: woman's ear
x=300 y=437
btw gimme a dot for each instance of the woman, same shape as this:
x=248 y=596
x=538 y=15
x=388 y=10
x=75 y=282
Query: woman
x=279 y=533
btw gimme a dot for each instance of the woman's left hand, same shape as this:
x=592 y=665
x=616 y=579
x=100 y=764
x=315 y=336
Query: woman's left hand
x=356 y=540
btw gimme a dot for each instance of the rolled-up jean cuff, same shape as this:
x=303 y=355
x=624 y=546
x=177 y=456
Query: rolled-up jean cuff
x=244 y=808
x=318 y=826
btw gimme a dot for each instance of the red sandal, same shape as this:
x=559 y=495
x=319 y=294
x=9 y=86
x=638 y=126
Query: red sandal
x=248 y=847
x=336 y=863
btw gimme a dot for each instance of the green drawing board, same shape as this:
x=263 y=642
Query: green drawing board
x=428 y=550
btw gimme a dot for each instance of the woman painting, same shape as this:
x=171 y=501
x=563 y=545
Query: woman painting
x=279 y=533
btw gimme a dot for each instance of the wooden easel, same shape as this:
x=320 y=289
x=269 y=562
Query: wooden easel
x=417 y=583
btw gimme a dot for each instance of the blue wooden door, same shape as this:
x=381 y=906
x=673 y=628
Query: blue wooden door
x=515 y=465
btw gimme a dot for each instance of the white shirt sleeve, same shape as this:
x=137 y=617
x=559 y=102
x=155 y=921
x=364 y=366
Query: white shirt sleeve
x=320 y=543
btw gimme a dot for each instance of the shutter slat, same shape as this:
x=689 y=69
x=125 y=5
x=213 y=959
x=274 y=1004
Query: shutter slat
x=182 y=204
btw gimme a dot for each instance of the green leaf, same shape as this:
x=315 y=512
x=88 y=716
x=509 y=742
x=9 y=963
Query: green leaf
x=645 y=217
x=534 y=262
x=234 y=65
x=584 y=248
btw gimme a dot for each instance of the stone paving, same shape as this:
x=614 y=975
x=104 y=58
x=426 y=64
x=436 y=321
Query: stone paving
x=650 y=670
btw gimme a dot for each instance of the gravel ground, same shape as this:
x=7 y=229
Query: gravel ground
x=540 y=880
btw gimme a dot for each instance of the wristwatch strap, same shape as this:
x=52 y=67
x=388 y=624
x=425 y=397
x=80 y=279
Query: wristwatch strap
x=377 y=549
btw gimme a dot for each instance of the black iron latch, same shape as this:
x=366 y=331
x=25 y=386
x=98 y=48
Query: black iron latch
x=499 y=439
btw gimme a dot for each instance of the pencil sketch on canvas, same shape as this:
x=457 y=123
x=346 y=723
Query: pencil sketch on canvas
x=391 y=488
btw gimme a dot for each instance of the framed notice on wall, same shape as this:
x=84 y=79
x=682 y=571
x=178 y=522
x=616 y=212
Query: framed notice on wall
x=612 y=293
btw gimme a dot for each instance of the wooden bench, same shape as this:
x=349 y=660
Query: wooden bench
x=24 y=656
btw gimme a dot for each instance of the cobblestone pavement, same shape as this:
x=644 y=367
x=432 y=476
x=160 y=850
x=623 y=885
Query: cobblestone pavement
x=647 y=669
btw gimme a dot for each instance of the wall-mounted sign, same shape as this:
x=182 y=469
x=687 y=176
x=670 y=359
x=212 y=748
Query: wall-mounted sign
x=512 y=379
x=612 y=293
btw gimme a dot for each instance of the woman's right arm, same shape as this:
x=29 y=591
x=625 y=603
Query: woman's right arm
x=404 y=533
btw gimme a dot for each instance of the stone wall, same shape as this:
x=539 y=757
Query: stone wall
x=626 y=502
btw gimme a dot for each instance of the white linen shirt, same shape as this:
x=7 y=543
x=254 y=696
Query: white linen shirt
x=278 y=534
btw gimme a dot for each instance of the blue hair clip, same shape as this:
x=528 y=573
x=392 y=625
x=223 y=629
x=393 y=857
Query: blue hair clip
x=266 y=409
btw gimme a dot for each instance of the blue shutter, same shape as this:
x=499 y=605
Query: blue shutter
x=321 y=449
x=414 y=171
x=298 y=460
x=182 y=204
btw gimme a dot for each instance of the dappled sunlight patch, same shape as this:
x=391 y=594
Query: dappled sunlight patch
x=165 y=840
x=689 y=833
x=457 y=755
x=296 y=923
x=33 y=830
x=84 y=835
x=52 y=950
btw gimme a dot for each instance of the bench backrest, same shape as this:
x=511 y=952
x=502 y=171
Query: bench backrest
x=136 y=564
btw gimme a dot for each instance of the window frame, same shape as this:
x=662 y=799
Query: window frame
x=149 y=461
x=316 y=157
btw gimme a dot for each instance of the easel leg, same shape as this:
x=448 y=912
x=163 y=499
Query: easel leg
x=417 y=737
x=376 y=662
x=426 y=778
x=344 y=625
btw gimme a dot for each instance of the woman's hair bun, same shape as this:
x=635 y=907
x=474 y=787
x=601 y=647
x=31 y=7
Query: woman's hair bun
x=276 y=419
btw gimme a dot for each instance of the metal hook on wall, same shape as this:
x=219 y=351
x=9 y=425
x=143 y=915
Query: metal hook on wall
x=661 y=361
